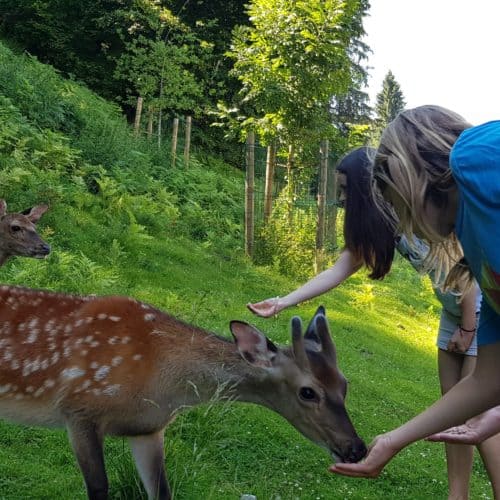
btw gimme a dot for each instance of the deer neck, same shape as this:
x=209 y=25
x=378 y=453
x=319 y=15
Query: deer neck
x=216 y=370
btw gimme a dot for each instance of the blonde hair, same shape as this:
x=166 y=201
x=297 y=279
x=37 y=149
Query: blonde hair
x=412 y=164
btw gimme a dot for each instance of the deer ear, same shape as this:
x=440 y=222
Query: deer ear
x=254 y=346
x=35 y=213
x=3 y=207
x=311 y=333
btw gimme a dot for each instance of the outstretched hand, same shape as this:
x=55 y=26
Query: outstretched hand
x=474 y=431
x=380 y=452
x=266 y=308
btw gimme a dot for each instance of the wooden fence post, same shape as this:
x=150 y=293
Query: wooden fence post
x=175 y=130
x=268 y=189
x=150 y=124
x=159 y=128
x=331 y=207
x=320 y=228
x=187 y=143
x=249 y=193
x=138 y=113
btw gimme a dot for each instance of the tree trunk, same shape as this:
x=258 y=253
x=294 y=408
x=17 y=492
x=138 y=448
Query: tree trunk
x=138 y=113
x=268 y=190
x=320 y=228
x=159 y=128
x=289 y=168
x=249 y=194
x=187 y=143
x=150 y=124
x=175 y=131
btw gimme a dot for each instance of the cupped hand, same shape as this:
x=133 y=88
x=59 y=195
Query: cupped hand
x=266 y=308
x=474 y=431
x=380 y=452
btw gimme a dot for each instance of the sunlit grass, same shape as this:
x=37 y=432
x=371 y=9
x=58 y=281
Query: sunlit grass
x=219 y=451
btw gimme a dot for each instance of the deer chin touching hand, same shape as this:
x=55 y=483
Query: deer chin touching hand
x=115 y=366
x=18 y=235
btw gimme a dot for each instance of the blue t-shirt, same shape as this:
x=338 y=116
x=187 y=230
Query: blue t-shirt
x=475 y=164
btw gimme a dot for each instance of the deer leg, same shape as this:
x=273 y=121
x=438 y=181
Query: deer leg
x=87 y=446
x=149 y=459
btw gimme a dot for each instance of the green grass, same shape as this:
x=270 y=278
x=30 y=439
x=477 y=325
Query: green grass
x=120 y=222
x=384 y=333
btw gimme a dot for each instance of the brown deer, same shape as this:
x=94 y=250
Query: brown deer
x=18 y=235
x=115 y=366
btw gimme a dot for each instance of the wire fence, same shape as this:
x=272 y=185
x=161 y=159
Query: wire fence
x=302 y=192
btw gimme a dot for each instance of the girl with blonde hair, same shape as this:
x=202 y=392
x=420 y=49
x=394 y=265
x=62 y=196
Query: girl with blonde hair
x=441 y=177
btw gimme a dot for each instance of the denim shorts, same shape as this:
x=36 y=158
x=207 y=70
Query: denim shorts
x=447 y=326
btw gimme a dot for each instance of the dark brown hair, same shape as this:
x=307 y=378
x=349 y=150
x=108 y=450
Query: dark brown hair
x=368 y=234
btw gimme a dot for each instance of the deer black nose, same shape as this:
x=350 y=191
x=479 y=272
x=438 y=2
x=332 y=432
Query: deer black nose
x=357 y=452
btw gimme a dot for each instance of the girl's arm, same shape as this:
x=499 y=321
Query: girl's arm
x=346 y=265
x=470 y=397
x=464 y=335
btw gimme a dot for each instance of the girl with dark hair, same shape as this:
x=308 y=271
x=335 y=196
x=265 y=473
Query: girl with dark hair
x=370 y=240
x=369 y=237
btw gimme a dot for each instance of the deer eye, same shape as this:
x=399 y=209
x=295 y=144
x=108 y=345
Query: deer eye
x=15 y=228
x=308 y=394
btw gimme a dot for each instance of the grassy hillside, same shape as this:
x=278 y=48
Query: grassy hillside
x=122 y=222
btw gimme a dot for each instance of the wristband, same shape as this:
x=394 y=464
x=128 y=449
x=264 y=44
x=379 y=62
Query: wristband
x=467 y=331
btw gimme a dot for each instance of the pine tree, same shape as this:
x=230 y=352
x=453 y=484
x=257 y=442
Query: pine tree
x=390 y=101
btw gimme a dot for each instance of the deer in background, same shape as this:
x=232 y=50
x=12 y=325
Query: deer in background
x=115 y=366
x=18 y=235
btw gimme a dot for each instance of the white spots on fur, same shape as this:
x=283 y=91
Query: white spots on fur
x=116 y=360
x=84 y=352
x=114 y=340
x=39 y=392
x=149 y=317
x=68 y=328
x=15 y=365
x=30 y=366
x=86 y=384
x=137 y=357
x=111 y=390
x=55 y=358
x=49 y=383
x=115 y=318
x=31 y=339
x=67 y=352
x=94 y=344
x=126 y=340
x=102 y=316
x=101 y=372
x=73 y=372
x=4 y=389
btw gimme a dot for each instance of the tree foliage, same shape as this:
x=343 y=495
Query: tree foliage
x=291 y=61
x=390 y=101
